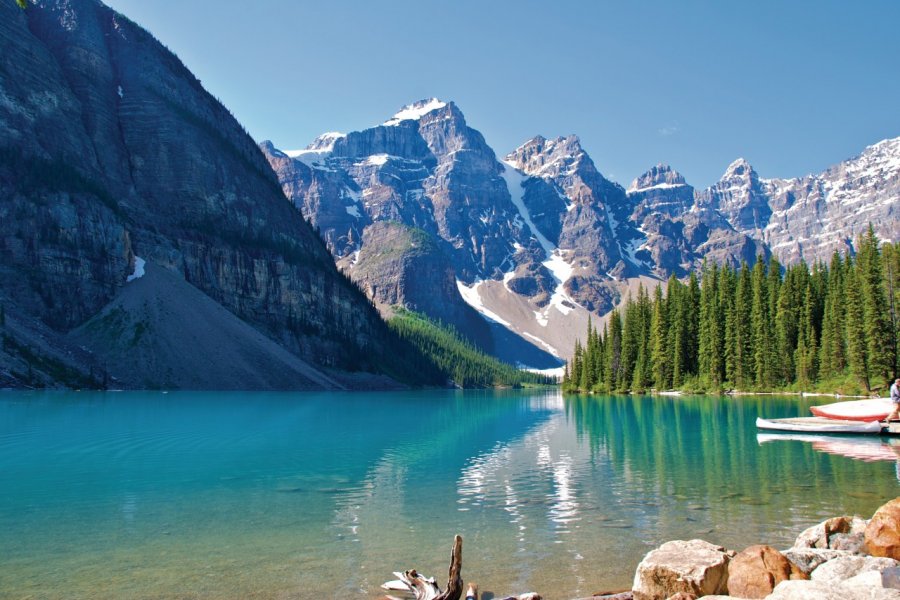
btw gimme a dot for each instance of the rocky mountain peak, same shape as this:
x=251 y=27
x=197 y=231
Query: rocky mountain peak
x=325 y=142
x=739 y=168
x=417 y=110
x=542 y=157
x=660 y=176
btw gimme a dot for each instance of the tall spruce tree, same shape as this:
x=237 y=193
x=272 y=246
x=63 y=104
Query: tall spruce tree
x=876 y=313
x=832 y=347
x=614 y=350
x=659 y=334
x=857 y=345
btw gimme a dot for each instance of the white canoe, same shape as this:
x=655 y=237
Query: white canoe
x=818 y=425
x=874 y=409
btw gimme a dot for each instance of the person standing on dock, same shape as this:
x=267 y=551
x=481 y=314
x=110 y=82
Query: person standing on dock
x=895 y=398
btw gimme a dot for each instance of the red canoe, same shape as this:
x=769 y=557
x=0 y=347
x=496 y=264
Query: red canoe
x=875 y=409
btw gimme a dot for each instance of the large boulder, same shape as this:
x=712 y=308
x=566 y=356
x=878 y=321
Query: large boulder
x=844 y=567
x=820 y=590
x=883 y=532
x=807 y=559
x=839 y=533
x=756 y=571
x=694 y=566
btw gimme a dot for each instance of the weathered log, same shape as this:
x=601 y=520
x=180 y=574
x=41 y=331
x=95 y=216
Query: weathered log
x=454 y=578
x=425 y=588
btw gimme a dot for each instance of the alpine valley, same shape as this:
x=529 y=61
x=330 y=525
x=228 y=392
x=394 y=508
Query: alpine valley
x=147 y=241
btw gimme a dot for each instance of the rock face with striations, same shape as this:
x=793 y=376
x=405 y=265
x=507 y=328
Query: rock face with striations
x=112 y=149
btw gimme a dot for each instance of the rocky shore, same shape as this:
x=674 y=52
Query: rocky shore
x=843 y=558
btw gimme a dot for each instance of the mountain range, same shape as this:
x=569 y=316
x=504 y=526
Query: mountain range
x=149 y=242
x=539 y=239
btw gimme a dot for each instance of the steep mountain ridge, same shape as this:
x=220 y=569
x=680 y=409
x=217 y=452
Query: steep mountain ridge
x=559 y=239
x=112 y=149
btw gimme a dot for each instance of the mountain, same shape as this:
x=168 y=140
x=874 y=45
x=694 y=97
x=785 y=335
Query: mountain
x=540 y=240
x=115 y=160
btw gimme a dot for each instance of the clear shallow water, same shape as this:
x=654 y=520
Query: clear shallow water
x=210 y=495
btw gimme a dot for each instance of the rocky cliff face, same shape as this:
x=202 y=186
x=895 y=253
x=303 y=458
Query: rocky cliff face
x=426 y=169
x=112 y=149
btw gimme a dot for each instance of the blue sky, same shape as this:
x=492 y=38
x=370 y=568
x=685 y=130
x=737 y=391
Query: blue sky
x=794 y=87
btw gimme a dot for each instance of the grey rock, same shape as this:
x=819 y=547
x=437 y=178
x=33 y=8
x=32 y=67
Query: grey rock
x=839 y=533
x=807 y=559
x=888 y=578
x=844 y=567
x=820 y=590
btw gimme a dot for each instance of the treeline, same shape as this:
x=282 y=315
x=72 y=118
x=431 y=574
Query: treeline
x=457 y=359
x=832 y=327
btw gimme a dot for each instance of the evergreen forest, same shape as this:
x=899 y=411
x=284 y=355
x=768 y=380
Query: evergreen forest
x=832 y=327
x=459 y=362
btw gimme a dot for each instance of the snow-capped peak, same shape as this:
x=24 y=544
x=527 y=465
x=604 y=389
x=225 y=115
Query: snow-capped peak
x=661 y=176
x=325 y=142
x=415 y=111
x=739 y=168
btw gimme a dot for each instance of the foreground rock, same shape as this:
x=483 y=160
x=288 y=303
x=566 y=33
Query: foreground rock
x=882 y=536
x=695 y=567
x=756 y=571
x=819 y=590
x=846 y=567
x=839 y=533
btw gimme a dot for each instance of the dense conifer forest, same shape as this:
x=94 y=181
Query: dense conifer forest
x=457 y=359
x=832 y=327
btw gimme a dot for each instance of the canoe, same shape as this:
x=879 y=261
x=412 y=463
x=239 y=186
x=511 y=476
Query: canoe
x=818 y=425
x=874 y=409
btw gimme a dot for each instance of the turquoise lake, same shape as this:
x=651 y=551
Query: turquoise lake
x=211 y=495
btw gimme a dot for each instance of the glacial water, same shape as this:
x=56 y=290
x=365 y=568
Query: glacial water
x=211 y=495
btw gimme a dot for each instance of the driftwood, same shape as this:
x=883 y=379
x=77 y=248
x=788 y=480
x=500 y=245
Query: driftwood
x=425 y=588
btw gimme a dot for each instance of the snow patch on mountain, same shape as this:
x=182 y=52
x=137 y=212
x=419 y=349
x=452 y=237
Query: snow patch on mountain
x=415 y=111
x=515 y=184
x=472 y=297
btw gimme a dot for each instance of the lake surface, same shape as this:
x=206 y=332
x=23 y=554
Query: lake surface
x=211 y=495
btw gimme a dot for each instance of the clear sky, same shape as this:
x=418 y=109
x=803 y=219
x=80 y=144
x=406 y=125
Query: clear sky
x=793 y=87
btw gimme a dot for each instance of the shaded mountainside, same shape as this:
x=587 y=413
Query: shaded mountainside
x=540 y=239
x=111 y=149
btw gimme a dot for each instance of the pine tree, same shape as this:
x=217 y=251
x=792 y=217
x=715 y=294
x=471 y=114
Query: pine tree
x=832 y=348
x=659 y=333
x=785 y=332
x=876 y=314
x=761 y=334
x=643 y=370
x=630 y=343
x=744 y=367
x=577 y=364
x=614 y=351
x=892 y=278
x=857 y=346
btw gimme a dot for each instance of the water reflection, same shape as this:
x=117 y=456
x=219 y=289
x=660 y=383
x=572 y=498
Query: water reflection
x=864 y=448
x=309 y=492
